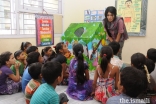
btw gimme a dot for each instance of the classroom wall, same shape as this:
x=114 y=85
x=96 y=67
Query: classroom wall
x=73 y=12
x=13 y=45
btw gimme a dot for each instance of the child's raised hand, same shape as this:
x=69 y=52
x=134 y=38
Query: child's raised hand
x=17 y=65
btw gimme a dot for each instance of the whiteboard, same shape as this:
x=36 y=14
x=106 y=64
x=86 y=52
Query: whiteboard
x=73 y=10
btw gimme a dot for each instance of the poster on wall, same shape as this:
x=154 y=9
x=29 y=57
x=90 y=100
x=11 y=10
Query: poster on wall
x=93 y=16
x=44 y=29
x=134 y=14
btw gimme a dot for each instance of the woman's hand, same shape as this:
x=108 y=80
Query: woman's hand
x=110 y=39
x=117 y=40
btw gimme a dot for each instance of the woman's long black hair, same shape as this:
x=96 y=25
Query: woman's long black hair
x=112 y=10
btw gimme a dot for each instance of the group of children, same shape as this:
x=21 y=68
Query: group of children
x=37 y=75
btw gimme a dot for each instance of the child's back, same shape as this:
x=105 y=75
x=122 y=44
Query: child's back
x=45 y=94
x=34 y=71
x=115 y=60
x=108 y=79
x=79 y=87
x=108 y=75
x=129 y=86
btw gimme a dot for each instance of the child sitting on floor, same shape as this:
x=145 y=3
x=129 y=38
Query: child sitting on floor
x=46 y=53
x=20 y=57
x=32 y=58
x=45 y=94
x=151 y=54
x=131 y=83
x=61 y=49
x=9 y=83
x=138 y=60
x=24 y=46
x=79 y=87
x=35 y=72
x=115 y=60
x=108 y=75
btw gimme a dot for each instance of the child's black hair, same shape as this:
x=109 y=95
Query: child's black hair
x=106 y=55
x=24 y=45
x=51 y=71
x=35 y=70
x=31 y=49
x=150 y=65
x=32 y=58
x=115 y=47
x=17 y=53
x=45 y=50
x=78 y=52
x=5 y=56
x=53 y=55
x=134 y=81
x=58 y=47
x=151 y=54
x=138 y=60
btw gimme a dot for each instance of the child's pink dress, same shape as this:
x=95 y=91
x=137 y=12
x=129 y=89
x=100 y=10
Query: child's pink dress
x=105 y=88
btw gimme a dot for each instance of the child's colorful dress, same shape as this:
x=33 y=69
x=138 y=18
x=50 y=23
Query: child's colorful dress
x=75 y=91
x=8 y=86
x=105 y=88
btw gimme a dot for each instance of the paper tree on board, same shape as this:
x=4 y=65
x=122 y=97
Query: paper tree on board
x=91 y=35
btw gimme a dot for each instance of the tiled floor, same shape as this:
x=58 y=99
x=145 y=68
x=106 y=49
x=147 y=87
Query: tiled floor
x=18 y=98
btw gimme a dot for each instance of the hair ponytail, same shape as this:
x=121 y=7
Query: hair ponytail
x=80 y=68
x=104 y=63
x=78 y=52
x=139 y=60
x=147 y=74
x=42 y=52
x=106 y=54
x=0 y=61
x=22 y=46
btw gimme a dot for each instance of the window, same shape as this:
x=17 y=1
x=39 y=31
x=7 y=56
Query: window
x=17 y=17
x=7 y=17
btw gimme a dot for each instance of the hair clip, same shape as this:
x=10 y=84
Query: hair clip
x=79 y=52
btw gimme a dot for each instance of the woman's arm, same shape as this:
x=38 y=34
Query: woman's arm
x=109 y=38
x=118 y=37
x=120 y=30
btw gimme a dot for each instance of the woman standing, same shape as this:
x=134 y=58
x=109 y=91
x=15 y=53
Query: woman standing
x=115 y=28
